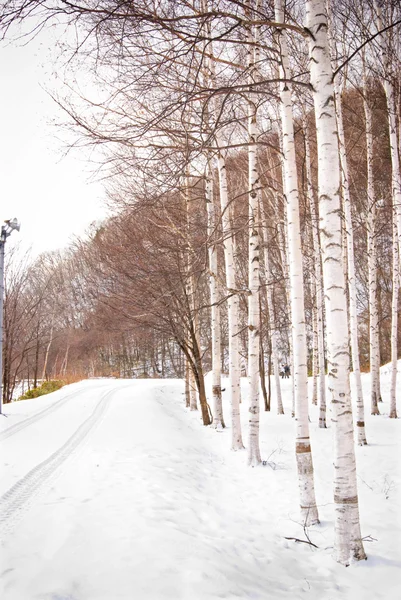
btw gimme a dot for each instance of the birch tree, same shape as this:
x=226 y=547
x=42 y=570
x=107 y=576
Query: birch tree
x=345 y=191
x=270 y=308
x=318 y=279
x=348 y=541
x=230 y=270
x=253 y=250
x=309 y=510
x=372 y=258
x=218 y=420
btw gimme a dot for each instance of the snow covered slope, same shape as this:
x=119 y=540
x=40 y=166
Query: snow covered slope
x=112 y=490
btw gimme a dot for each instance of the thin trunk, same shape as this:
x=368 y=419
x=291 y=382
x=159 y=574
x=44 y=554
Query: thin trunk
x=190 y=288
x=262 y=371
x=254 y=457
x=269 y=372
x=36 y=368
x=394 y=320
x=389 y=74
x=229 y=259
x=319 y=281
x=193 y=404
x=48 y=348
x=360 y=417
x=218 y=420
x=372 y=262
x=299 y=370
x=348 y=541
x=387 y=62
x=187 y=384
x=285 y=266
x=200 y=381
x=233 y=306
x=315 y=350
x=214 y=279
x=270 y=308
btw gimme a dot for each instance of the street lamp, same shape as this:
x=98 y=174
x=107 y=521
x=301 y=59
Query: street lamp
x=6 y=230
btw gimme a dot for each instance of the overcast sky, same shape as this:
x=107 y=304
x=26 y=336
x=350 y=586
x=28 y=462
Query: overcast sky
x=50 y=195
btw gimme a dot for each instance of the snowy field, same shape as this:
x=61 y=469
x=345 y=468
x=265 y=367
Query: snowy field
x=113 y=490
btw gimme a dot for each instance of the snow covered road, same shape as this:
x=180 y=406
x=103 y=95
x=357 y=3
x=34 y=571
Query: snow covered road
x=111 y=490
x=116 y=497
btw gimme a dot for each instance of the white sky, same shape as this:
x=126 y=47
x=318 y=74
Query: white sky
x=49 y=194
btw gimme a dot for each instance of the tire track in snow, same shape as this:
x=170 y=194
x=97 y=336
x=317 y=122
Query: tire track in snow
x=46 y=411
x=14 y=500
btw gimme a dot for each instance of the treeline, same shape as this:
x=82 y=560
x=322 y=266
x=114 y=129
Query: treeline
x=58 y=324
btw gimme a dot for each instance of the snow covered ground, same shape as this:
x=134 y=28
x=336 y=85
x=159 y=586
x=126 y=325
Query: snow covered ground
x=113 y=490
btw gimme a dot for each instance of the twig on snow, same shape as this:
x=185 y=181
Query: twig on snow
x=302 y=541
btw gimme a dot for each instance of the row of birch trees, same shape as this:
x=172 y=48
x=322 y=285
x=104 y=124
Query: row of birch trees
x=221 y=128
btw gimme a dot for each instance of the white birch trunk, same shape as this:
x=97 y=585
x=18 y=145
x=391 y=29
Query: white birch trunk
x=315 y=350
x=214 y=281
x=394 y=320
x=360 y=419
x=187 y=384
x=284 y=251
x=319 y=281
x=388 y=85
x=348 y=542
x=229 y=259
x=387 y=58
x=193 y=404
x=309 y=510
x=372 y=262
x=217 y=405
x=233 y=306
x=272 y=318
x=64 y=364
x=48 y=347
x=285 y=267
x=253 y=259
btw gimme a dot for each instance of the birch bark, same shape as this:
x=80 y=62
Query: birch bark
x=229 y=259
x=187 y=385
x=48 y=346
x=387 y=58
x=218 y=420
x=283 y=239
x=272 y=317
x=315 y=349
x=309 y=510
x=214 y=280
x=360 y=422
x=348 y=542
x=319 y=280
x=233 y=305
x=394 y=320
x=193 y=404
x=253 y=256
x=372 y=260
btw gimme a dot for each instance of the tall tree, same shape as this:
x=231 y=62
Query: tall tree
x=348 y=541
x=309 y=510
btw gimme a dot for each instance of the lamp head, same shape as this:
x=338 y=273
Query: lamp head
x=13 y=224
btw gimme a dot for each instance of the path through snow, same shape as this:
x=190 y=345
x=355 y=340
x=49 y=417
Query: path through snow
x=117 y=492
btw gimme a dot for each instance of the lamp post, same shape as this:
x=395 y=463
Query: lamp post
x=6 y=230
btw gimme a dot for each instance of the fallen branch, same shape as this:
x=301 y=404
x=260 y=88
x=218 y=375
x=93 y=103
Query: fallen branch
x=302 y=541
